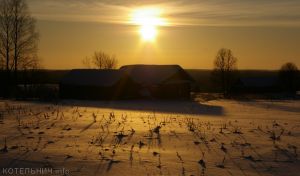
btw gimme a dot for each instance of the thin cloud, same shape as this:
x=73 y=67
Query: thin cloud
x=177 y=12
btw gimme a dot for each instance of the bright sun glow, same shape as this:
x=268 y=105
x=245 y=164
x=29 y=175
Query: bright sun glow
x=148 y=19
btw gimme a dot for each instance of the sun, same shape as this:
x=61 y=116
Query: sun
x=148 y=19
x=148 y=32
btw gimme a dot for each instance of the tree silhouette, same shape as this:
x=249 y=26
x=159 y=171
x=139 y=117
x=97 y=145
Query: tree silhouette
x=225 y=69
x=101 y=60
x=6 y=28
x=18 y=41
x=289 y=76
x=18 y=35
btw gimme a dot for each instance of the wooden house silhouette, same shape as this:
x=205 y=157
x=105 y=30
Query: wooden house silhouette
x=131 y=81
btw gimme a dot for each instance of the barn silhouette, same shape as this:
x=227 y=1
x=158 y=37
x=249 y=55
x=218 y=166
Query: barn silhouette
x=128 y=82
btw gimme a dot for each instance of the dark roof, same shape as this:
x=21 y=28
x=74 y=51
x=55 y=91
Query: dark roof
x=259 y=81
x=92 y=77
x=153 y=74
x=140 y=74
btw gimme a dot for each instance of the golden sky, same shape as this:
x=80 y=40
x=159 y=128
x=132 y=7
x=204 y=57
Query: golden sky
x=263 y=34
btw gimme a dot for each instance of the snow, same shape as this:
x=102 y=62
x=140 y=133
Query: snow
x=218 y=137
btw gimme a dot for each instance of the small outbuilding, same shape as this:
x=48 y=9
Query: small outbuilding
x=97 y=84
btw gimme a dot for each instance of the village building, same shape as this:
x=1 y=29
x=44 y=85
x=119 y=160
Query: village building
x=131 y=81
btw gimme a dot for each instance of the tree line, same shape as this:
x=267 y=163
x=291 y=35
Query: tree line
x=225 y=73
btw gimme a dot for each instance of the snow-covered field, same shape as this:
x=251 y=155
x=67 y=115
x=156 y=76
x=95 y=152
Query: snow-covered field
x=219 y=137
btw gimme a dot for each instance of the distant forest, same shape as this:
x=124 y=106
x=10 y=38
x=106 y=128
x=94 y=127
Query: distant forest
x=202 y=77
x=205 y=83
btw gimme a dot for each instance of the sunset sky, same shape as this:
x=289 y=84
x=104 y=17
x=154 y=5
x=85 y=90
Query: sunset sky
x=263 y=34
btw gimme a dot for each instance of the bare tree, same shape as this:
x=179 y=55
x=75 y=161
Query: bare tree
x=101 y=60
x=19 y=38
x=18 y=41
x=25 y=37
x=111 y=62
x=87 y=62
x=225 y=69
x=289 y=76
x=2 y=63
x=6 y=28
